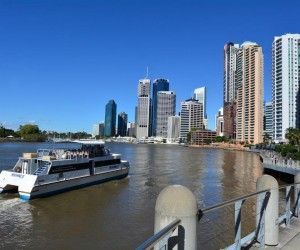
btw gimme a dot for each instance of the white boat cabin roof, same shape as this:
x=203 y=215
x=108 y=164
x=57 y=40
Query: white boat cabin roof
x=89 y=142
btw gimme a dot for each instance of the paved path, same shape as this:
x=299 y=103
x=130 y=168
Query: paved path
x=289 y=237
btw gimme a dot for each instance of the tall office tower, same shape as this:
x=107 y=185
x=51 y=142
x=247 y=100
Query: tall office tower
x=122 y=124
x=229 y=88
x=268 y=119
x=285 y=84
x=101 y=129
x=143 y=109
x=96 y=130
x=250 y=93
x=166 y=106
x=158 y=85
x=173 y=128
x=131 y=129
x=110 y=118
x=200 y=95
x=220 y=122
x=135 y=120
x=191 y=117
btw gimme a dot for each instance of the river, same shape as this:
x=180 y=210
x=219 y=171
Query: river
x=120 y=214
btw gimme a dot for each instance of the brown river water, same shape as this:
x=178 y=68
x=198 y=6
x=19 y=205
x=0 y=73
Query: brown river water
x=120 y=214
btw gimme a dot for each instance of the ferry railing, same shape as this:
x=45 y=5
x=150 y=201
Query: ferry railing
x=162 y=239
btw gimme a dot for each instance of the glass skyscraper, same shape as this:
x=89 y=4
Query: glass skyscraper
x=158 y=85
x=122 y=124
x=110 y=118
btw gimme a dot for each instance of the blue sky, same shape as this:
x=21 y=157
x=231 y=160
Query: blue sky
x=61 y=61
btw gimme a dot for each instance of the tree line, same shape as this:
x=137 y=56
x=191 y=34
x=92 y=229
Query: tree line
x=32 y=133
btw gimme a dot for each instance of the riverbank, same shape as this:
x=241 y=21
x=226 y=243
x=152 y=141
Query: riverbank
x=11 y=140
x=227 y=146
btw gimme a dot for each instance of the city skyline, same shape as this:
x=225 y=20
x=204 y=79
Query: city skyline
x=70 y=65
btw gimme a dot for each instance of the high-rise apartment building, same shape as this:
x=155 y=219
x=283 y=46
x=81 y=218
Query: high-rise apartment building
x=110 y=119
x=122 y=124
x=268 y=119
x=166 y=107
x=285 y=84
x=158 y=85
x=191 y=113
x=229 y=88
x=143 y=109
x=173 y=128
x=250 y=92
x=200 y=95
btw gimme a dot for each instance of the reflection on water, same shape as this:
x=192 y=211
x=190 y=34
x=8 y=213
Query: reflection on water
x=120 y=214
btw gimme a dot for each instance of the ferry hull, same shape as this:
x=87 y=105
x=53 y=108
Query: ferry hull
x=72 y=184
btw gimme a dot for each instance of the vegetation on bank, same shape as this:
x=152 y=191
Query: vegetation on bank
x=32 y=133
x=288 y=150
x=292 y=149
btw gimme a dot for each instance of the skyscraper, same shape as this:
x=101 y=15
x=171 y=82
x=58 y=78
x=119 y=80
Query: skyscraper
x=166 y=106
x=122 y=124
x=110 y=118
x=131 y=129
x=143 y=109
x=200 y=95
x=285 y=84
x=268 y=126
x=191 y=117
x=101 y=129
x=158 y=85
x=230 y=50
x=96 y=130
x=250 y=92
x=220 y=122
x=173 y=128
x=229 y=88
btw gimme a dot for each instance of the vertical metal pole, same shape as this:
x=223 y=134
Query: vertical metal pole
x=288 y=205
x=260 y=219
x=297 y=196
x=237 y=219
x=262 y=226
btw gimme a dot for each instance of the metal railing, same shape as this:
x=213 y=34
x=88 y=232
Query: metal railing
x=162 y=239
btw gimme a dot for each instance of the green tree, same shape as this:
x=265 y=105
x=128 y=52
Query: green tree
x=29 y=129
x=32 y=133
x=4 y=132
x=293 y=135
x=189 y=137
x=207 y=141
x=267 y=138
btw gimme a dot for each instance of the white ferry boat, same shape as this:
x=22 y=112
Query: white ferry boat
x=49 y=172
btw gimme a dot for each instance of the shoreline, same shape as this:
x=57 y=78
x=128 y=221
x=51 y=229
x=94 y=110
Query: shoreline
x=230 y=147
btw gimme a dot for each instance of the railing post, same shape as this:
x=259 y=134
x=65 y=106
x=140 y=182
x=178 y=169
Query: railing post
x=271 y=227
x=238 y=223
x=177 y=202
x=297 y=194
x=288 y=204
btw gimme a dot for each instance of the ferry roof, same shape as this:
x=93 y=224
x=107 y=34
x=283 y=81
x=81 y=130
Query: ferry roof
x=89 y=142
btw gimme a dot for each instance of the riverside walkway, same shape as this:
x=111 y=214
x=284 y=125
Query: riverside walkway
x=177 y=214
x=275 y=162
